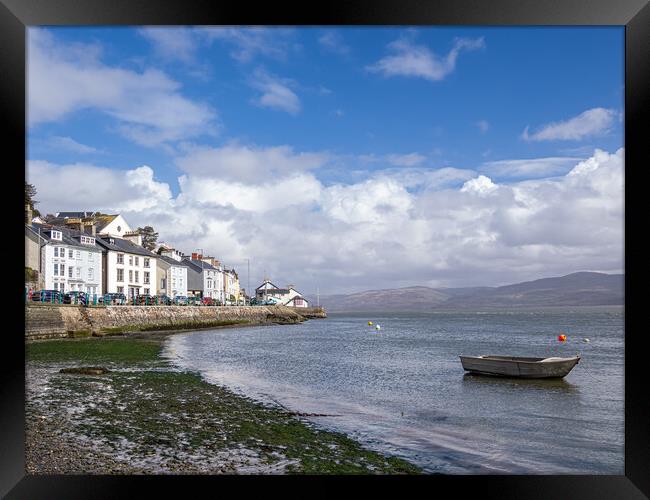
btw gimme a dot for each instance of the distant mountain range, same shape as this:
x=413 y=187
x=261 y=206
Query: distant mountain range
x=577 y=289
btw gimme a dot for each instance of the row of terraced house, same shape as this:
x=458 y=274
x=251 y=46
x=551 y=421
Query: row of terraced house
x=99 y=254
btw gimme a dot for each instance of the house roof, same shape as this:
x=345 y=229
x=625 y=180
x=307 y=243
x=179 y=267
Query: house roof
x=198 y=265
x=122 y=245
x=267 y=283
x=33 y=234
x=69 y=236
x=277 y=291
x=80 y=215
x=102 y=221
x=169 y=260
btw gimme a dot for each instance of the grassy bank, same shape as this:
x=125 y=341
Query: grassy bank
x=147 y=417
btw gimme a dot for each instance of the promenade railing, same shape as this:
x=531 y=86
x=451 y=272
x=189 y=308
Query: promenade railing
x=101 y=300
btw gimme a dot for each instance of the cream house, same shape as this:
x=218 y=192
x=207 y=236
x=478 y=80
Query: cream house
x=129 y=268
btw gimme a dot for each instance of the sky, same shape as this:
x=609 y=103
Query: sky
x=341 y=159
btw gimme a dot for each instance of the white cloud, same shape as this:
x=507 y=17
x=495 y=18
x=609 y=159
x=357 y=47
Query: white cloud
x=593 y=122
x=176 y=43
x=333 y=42
x=148 y=107
x=529 y=168
x=407 y=160
x=251 y=42
x=276 y=92
x=400 y=160
x=412 y=60
x=481 y=185
x=250 y=164
x=458 y=229
x=69 y=144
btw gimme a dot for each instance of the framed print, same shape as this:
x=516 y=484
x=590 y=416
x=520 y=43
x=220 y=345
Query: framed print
x=378 y=239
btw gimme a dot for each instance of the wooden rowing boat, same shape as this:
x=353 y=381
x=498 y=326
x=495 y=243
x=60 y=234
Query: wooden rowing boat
x=520 y=367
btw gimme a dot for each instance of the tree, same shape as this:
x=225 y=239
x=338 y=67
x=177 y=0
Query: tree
x=149 y=237
x=30 y=192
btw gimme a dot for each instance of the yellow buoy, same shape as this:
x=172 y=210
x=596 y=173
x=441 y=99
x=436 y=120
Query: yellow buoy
x=369 y=323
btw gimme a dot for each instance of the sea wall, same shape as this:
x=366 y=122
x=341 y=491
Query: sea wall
x=310 y=312
x=44 y=321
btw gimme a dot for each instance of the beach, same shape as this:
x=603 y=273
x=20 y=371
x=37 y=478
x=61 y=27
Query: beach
x=146 y=416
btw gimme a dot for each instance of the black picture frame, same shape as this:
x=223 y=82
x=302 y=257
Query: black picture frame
x=16 y=15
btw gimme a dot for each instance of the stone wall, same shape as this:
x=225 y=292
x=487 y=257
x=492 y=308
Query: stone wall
x=310 y=312
x=52 y=321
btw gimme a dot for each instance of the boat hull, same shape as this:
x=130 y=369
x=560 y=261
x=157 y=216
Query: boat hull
x=502 y=366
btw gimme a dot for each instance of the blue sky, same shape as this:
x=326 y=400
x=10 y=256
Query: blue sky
x=422 y=109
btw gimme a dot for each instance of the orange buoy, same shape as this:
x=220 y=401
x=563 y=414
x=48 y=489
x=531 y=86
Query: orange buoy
x=561 y=338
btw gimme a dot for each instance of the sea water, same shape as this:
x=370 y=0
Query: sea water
x=401 y=390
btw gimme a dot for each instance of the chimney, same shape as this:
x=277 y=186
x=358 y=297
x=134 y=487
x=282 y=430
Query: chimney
x=75 y=223
x=28 y=213
x=133 y=237
x=90 y=227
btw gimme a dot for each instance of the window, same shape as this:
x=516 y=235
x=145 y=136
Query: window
x=90 y=255
x=137 y=276
x=130 y=276
x=146 y=291
x=78 y=272
x=62 y=269
x=56 y=235
x=146 y=262
x=120 y=275
x=78 y=254
x=56 y=251
x=120 y=289
x=56 y=286
x=130 y=260
x=62 y=287
x=120 y=258
x=70 y=272
x=70 y=253
x=146 y=277
x=87 y=241
x=56 y=269
x=91 y=273
x=137 y=261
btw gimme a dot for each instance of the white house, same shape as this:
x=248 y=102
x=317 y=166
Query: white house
x=129 y=268
x=172 y=275
x=288 y=296
x=112 y=225
x=70 y=260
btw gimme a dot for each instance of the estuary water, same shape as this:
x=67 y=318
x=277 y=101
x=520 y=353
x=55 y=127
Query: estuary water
x=401 y=390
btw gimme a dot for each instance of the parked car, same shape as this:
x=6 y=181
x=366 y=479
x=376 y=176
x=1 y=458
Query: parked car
x=47 y=296
x=194 y=301
x=208 y=301
x=164 y=300
x=180 y=300
x=112 y=299
x=76 y=297
x=145 y=300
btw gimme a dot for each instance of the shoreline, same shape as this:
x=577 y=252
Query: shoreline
x=147 y=417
